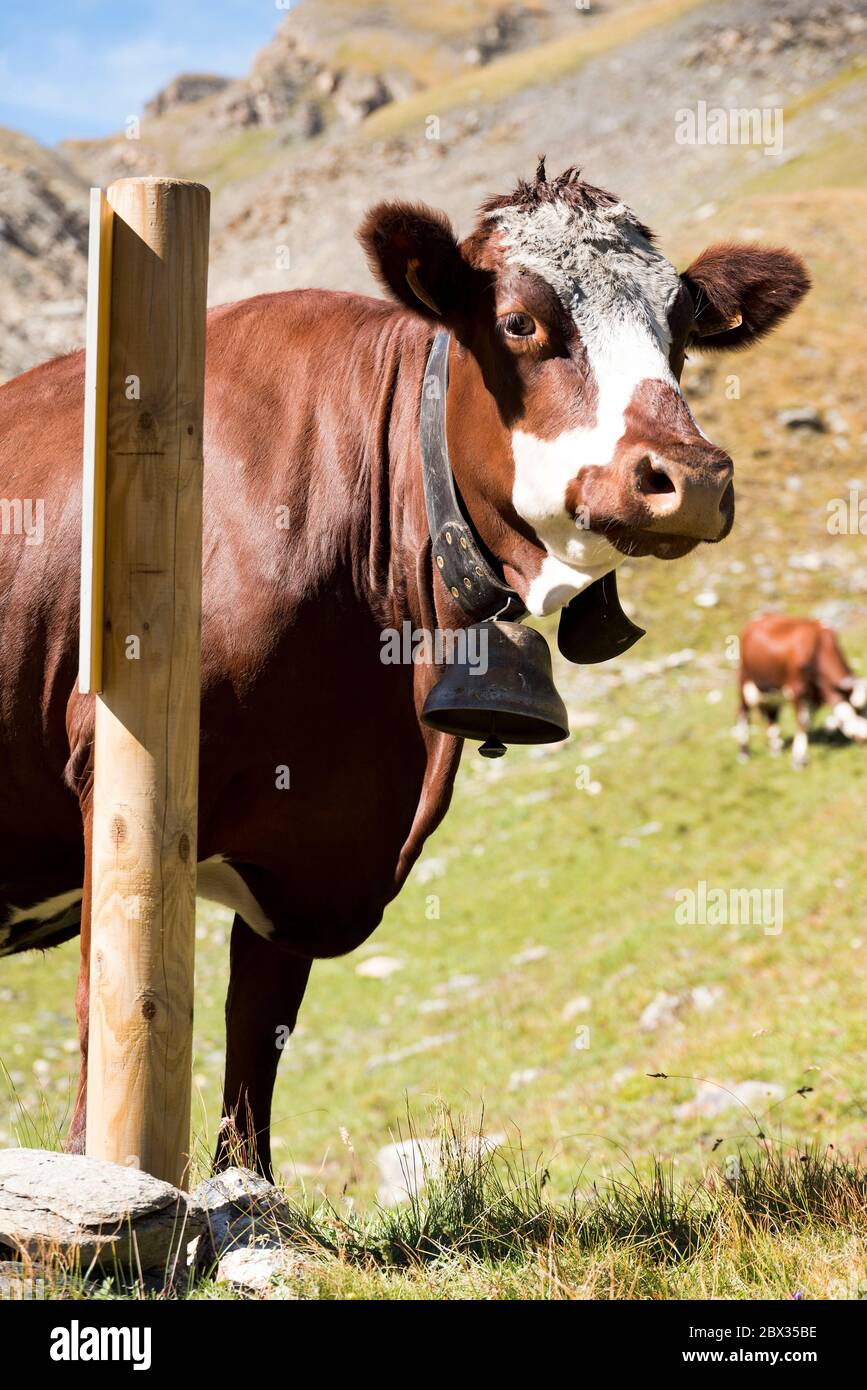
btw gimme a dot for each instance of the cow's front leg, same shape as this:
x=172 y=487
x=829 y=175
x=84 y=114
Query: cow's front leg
x=742 y=730
x=775 y=738
x=266 y=986
x=801 y=740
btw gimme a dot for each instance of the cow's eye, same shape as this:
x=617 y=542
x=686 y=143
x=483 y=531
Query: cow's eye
x=519 y=325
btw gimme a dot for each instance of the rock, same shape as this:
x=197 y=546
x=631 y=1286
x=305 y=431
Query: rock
x=497 y=37
x=620 y=1077
x=722 y=47
x=592 y=750
x=97 y=1211
x=400 y=1054
x=254 y=1269
x=186 y=88
x=43 y=253
x=405 y=1167
x=666 y=1008
x=582 y=719
x=581 y=1004
x=358 y=95
x=534 y=798
x=65 y=309
x=803 y=418
x=679 y=658
x=531 y=953
x=633 y=841
x=239 y=1207
x=378 y=967
x=662 y=1009
x=306 y=120
x=810 y=560
x=327 y=81
x=837 y=422
x=433 y=1006
x=237 y=108
x=428 y=869
x=706 y=599
x=711 y=1100
x=524 y=1077
x=704 y=997
x=457 y=983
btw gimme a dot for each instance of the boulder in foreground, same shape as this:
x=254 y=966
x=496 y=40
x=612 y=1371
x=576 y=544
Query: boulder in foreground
x=98 y=1212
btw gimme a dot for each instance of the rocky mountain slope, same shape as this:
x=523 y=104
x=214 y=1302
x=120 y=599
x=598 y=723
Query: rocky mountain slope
x=43 y=253
x=353 y=101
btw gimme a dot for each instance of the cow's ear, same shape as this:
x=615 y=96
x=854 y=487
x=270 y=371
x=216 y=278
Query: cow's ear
x=413 y=252
x=741 y=292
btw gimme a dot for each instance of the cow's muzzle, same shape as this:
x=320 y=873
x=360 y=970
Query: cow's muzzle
x=692 y=497
x=651 y=501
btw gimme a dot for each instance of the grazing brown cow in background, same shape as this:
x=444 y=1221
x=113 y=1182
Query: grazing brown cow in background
x=798 y=660
x=572 y=447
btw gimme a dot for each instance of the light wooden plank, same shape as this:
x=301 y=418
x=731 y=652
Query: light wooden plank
x=95 y=423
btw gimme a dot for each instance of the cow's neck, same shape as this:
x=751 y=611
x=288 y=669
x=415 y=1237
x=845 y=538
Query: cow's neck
x=480 y=450
x=404 y=582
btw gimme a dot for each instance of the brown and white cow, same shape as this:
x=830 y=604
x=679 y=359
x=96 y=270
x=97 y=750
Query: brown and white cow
x=569 y=333
x=798 y=660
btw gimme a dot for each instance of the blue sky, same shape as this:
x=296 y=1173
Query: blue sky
x=80 y=67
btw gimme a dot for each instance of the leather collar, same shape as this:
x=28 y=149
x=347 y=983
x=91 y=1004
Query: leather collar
x=458 y=553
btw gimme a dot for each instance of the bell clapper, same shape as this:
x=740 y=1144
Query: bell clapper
x=493 y=748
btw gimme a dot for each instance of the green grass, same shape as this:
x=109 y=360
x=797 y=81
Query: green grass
x=854 y=73
x=236 y=158
x=838 y=161
x=778 y=1224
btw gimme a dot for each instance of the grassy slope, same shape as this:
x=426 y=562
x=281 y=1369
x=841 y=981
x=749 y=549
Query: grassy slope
x=527 y=860
x=513 y=73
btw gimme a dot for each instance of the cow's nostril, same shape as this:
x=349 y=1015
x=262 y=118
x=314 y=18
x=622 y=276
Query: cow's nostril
x=653 y=479
x=660 y=482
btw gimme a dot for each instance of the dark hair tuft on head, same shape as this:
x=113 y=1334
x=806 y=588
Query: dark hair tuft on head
x=568 y=188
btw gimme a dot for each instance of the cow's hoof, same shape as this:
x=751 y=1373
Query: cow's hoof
x=743 y=757
x=798 y=763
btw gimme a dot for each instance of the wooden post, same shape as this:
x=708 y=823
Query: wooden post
x=146 y=752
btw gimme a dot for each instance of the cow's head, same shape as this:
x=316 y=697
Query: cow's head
x=571 y=440
x=853 y=689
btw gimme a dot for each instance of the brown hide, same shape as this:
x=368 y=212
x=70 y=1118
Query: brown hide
x=796 y=655
x=311 y=407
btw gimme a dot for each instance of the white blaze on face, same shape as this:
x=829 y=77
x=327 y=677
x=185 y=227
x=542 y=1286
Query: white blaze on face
x=617 y=289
